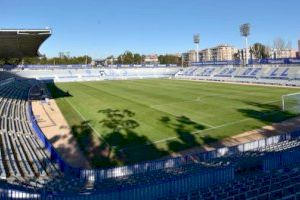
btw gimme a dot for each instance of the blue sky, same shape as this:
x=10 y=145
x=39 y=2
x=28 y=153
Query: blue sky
x=105 y=27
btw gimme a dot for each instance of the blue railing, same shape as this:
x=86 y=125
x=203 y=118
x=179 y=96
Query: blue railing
x=54 y=156
x=143 y=167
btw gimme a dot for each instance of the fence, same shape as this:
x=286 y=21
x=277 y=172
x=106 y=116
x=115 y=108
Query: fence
x=281 y=159
x=288 y=61
x=100 y=174
x=143 y=167
x=169 y=186
x=54 y=156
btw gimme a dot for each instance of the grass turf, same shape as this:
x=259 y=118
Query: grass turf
x=122 y=122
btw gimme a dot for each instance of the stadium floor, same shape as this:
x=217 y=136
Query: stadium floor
x=122 y=122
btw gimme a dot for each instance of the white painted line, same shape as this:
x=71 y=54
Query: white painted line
x=194 y=100
x=205 y=124
x=216 y=127
x=82 y=117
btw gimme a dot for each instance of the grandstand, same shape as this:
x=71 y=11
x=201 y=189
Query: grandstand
x=73 y=74
x=30 y=167
x=19 y=43
x=262 y=74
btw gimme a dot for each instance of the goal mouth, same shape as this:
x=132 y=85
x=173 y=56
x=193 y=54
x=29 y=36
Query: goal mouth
x=291 y=103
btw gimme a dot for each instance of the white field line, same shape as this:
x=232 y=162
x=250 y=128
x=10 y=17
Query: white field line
x=198 y=99
x=212 y=128
x=194 y=100
x=195 y=132
x=82 y=117
x=174 y=137
x=206 y=124
x=216 y=127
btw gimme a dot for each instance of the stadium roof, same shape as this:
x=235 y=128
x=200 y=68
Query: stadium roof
x=18 y=43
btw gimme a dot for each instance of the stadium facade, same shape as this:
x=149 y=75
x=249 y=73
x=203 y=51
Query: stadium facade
x=18 y=43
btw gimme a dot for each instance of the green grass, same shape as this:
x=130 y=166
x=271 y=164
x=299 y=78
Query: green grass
x=122 y=122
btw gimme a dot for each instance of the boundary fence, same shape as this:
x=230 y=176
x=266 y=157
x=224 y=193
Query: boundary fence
x=169 y=186
x=144 y=167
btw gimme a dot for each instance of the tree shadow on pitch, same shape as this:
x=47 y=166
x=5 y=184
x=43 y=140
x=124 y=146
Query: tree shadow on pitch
x=125 y=145
x=94 y=149
x=186 y=130
x=120 y=145
x=267 y=113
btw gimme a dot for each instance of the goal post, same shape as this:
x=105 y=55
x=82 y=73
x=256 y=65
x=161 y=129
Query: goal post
x=291 y=103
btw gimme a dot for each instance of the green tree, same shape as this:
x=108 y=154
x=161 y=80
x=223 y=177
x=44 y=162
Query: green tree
x=119 y=59
x=137 y=58
x=127 y=57
x=237 y=56
x=259 y=50
x=169 y=59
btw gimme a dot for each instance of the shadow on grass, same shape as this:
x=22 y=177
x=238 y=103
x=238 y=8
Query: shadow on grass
x=122 y=145
x=93 y=148
x=56 y=92
x=266 y=113
x=118 y=146
x=124 y=141
x=184 y=127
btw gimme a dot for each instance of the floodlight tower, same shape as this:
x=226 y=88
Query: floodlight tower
x=197 y=41
x=245 y=32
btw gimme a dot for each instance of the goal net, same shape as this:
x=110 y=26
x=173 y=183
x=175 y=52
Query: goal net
x=291 y=103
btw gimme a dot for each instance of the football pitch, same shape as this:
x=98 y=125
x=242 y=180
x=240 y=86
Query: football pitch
x=126 y=121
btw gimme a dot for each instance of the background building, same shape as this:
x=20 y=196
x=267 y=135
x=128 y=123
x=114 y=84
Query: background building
x=283 y=53
x=223 y=52
x=219 y=53
x=151 y=59
x=205 y=55
x=298 y=49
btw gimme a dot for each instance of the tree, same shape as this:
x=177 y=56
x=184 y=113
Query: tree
x=137 y=58
x=260 y=51
x=44 y=60
x=169 y=59
x=119 y=60
x=127 y=57
x=237 y=56
x=281 y=44
x=10 y=61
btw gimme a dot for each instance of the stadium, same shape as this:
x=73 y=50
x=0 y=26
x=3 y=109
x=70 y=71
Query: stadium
x=206 y=131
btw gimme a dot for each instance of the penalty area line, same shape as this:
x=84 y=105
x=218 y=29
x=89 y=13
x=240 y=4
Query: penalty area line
x=195 y=132
x=208 y=129
x=82 y=117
